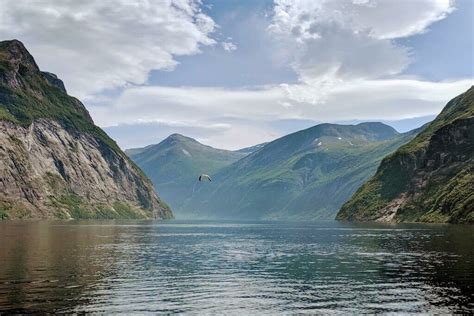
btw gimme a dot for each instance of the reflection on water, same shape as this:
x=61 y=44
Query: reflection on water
x=234 y=267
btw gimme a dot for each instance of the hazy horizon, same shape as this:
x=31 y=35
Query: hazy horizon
x=401 y=126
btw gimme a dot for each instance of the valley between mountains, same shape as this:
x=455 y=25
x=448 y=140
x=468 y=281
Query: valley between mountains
x=305 y=175
x=364 y=172
x=56 y=163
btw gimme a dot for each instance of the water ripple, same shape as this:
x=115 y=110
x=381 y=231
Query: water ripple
x=231 y=268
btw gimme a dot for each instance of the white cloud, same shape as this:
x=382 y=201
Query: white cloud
x=233 y=118
x=234 y=134
x=327 y=41
x=229 y=46
x=215 y=127
x=384 y=99
x=97 y=45
x=379 y=18
x=344 y=52
x=190 y=104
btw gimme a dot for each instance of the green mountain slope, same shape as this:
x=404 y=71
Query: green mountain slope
x=305 y=175
x=55 y=162
x=430 y=179
x=174 y=165
x=251 y=149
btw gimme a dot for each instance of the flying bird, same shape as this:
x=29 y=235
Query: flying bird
x=204 y=177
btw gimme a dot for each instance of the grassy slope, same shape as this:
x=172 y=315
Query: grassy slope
x=41 y=100
x=396 y=173
x=296 y=178
x=175 y=164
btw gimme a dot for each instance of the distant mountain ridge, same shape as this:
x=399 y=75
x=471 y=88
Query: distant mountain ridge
x=251 y=149
x=55 y=162
x=175 y=163
x=304 y=175
x=430 y=179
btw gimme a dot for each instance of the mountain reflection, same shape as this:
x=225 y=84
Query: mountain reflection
x=47 y=266
x=262 y=267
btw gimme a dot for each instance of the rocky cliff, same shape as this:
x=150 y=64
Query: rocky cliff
x=55 y=163
x=430 y=179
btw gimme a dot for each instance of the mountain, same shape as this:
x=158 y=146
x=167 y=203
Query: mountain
x=430 y=179
x=174 y=165
x=305 y=175
x=55 y=163
x=252 y=149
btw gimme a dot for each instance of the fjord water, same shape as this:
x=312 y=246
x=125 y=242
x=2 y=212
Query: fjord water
x=229 y=267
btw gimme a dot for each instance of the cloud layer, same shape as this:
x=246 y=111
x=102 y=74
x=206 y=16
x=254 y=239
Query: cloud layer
x=97 y=45
x=328 y=41
x=234 y=118
x=345 y=58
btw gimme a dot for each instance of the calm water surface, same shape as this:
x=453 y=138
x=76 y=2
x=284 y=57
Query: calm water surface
x=212 y=267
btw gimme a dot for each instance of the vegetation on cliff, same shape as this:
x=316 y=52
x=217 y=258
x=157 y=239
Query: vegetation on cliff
x=430 y=179
x=55 y=161
x=305 y=175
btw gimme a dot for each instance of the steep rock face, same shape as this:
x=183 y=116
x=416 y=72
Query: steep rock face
x=15 y=63
x=55 y=163
x=54 y=80
x=431 y=179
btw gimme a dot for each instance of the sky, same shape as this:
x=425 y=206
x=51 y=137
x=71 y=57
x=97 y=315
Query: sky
x=237 y=73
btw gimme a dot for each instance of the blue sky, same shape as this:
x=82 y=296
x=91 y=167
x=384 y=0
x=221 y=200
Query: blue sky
x=235 y=73
x=444 y=51
x=245 y=22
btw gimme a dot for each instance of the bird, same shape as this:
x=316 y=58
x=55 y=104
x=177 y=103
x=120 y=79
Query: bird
x=204 y=177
